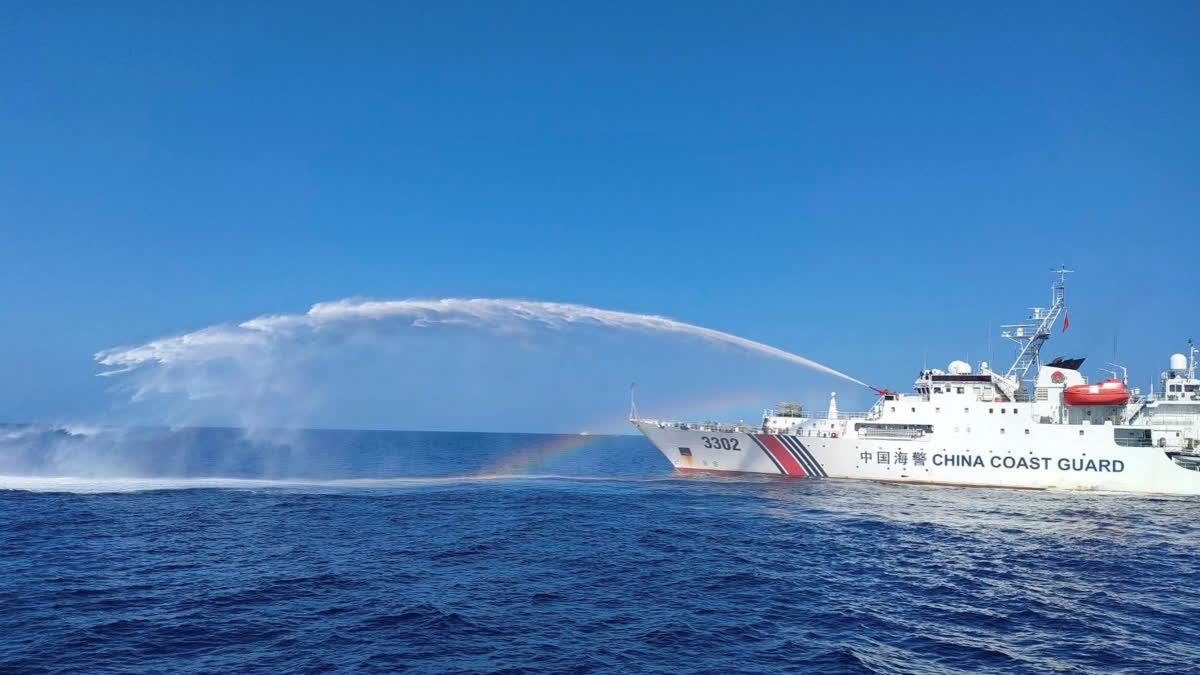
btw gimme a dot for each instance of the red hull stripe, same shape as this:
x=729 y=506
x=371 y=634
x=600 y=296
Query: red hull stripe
x=805 y=456
x=785 y=459
x=767 y=453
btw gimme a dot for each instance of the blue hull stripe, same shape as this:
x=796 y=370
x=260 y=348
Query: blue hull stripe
x=791 y=448
x=795 y=443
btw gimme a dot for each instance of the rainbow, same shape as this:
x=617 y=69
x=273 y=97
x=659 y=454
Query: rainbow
x=538 y=452
x=724 y=407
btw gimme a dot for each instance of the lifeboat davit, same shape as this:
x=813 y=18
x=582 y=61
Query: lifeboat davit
x=1108 y=392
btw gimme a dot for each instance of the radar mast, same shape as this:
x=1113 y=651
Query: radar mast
x=1032 y=335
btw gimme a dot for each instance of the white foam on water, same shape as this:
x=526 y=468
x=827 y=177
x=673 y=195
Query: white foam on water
x=100 y=485
x=86 y=485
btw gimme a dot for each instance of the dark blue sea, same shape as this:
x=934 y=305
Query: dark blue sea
x=215 y=550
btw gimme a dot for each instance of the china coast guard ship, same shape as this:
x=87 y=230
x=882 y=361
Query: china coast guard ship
x=977 y=427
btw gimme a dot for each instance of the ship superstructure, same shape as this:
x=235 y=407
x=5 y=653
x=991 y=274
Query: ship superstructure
x=1034 y=424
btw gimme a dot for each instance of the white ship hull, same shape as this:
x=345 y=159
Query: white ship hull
x=1057 y=457
x=979 y=427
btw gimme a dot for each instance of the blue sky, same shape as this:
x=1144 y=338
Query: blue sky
x=864 y=185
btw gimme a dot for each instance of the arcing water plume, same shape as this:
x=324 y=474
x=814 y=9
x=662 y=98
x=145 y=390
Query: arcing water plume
x=248 y=341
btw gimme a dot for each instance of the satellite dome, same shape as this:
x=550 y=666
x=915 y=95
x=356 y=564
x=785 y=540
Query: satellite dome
x=959 y=368
x=1178 y=362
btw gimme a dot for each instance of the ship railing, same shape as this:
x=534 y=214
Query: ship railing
x=1187 y=461
x=1158 y=419
x=743 y=427
x=716 y=427
x=1126 y=442
x=901 y=434
x=820 y=415
x=1185 y=397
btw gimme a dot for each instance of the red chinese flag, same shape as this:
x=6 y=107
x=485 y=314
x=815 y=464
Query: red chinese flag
x=1066 y=322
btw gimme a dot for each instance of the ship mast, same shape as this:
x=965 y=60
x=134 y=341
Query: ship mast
x=1191 y=360
x=1031 y=336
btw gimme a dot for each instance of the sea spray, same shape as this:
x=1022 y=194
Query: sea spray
x=258 y=336
x=56 y=449
x=290 y=371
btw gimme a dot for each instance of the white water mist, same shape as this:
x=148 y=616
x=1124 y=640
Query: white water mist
x=247 y=343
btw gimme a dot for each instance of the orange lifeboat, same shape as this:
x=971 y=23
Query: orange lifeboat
x=1108 y=392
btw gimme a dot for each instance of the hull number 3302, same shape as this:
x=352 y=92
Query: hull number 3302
x=718 y=442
